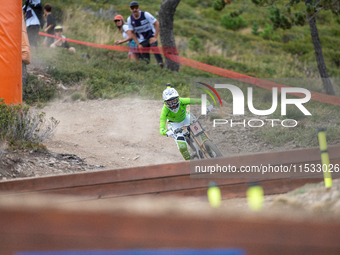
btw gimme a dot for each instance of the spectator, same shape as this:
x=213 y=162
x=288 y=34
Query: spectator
x=58 y=30
x=146 y=29
x=25 y=52
x=32 y=20
x=50 y=25
x=124 y=29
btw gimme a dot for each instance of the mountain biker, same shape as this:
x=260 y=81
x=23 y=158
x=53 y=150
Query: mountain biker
x=174 y=114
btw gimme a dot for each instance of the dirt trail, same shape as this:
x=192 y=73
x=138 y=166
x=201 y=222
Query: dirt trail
x=116 y=133
x=123 y=133
x=113 y=134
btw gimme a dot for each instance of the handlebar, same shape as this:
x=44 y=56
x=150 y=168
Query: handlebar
x=179 y=130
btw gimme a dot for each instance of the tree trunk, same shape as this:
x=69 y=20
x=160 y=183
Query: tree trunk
x=318 y=54
x=166 y=19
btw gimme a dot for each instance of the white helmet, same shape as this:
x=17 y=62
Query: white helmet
x=171 y=98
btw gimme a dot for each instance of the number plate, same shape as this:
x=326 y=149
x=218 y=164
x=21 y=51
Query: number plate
x=196 y=128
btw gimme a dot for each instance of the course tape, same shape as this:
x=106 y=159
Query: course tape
x=156 y=50
x=171 y=53
x=250 y=80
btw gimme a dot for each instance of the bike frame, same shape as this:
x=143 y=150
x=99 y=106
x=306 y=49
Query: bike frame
x=202 y=135
x=195 y=136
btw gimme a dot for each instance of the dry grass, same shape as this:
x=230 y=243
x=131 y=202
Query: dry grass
x=245 y=31
x=211 y=48
x=80 y=22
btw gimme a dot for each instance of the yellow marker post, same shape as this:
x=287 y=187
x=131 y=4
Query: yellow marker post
x=255 y=197
x=214 y=195
x=324 y=158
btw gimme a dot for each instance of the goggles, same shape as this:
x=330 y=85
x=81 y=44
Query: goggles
x=172 y=103
x=58 y=30
x=134 y=7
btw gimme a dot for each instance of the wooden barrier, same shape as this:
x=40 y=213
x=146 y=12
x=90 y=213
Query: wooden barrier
x=47 y=224
x=171 y=179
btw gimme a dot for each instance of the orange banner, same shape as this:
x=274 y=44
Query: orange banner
x=10 y=51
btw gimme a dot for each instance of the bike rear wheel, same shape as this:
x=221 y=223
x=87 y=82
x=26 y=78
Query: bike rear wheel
x=212 y=150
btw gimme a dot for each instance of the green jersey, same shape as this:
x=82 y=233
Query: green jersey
x=175 y=117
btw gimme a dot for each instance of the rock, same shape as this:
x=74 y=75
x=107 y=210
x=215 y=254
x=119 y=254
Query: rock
x=51 y=161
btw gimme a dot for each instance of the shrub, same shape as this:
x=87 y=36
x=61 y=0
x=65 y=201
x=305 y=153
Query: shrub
x=255 y=29
x=218 y=5
x=233 y=23
x=66 y=76
x=22 y=127
x=279 y=20
x=76 y=96
x=195 y=44
x=298 y=47
x=267 y=32
x=38 y=91
x=276 y=38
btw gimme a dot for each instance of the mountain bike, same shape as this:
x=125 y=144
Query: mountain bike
x=199 y=142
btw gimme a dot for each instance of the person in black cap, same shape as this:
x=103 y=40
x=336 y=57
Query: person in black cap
x=146 y=30
x=58 y=30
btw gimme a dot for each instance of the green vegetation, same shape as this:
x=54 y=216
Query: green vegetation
x=38 y=91
x=78 y=96
x=195 y=44
x=22 y=128
x=233 y=22
x=201 y=34
x=255 y=29
x=306 y=11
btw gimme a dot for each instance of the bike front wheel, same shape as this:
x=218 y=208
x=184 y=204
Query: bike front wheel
x=212 y=150
x=195 y=149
